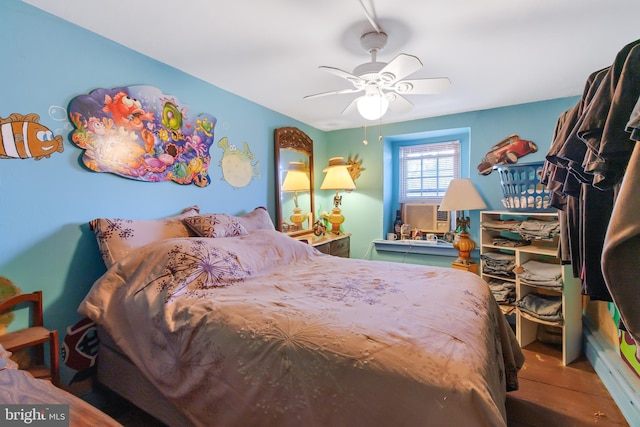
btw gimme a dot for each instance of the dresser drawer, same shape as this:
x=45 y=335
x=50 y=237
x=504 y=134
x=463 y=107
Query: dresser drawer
x=325 y=248
x=340 y=247
x=330 y=244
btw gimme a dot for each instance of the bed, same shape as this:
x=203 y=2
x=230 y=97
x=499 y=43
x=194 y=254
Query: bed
x=250 y=327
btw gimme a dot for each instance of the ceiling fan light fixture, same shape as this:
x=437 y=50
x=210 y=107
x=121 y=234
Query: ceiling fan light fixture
x=383 y=83
x=372 y=106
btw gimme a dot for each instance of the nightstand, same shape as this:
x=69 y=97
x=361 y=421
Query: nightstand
x=473 y=268
x=331 y=244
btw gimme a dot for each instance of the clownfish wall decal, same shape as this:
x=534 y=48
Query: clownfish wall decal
x=22 y=137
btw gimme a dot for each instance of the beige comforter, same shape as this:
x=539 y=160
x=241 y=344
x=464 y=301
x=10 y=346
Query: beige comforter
x=262 y=330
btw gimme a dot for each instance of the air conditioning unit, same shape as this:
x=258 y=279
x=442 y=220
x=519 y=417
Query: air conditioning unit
x=426 y=217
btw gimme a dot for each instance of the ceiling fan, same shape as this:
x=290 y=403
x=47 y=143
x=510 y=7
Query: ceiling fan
x=384 y=84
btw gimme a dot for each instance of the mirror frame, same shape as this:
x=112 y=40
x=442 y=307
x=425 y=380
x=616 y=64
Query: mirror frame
x=292 y=138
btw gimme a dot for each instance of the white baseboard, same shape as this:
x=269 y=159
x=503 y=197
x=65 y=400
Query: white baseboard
x=621 y=382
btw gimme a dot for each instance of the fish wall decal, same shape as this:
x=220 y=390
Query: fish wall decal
x=238 y=166
x=22 y=137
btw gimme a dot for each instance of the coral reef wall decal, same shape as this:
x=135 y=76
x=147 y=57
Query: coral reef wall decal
x=140 y=133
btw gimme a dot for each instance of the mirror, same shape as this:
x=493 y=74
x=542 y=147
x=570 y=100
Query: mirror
x=294 y=164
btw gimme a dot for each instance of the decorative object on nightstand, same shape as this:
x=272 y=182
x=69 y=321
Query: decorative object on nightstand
x=297 y=179
x=319 y=228
x=461 y=195
x=34 y=336
x=337 y=178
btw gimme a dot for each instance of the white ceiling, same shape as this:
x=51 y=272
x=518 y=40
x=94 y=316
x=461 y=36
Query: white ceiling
x=495 y=52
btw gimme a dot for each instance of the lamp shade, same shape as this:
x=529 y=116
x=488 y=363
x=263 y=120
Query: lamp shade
x=297 y=178
x=461 y=195
x=372 y=106
x=337 y=177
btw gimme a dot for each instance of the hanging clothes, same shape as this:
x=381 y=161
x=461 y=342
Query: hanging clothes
x=604 y=127
x=622 y=243
x=562 y=174
x=586 y=164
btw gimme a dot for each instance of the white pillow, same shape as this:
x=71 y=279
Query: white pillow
x=215 y=225
x=117 y=237
x=258 y=219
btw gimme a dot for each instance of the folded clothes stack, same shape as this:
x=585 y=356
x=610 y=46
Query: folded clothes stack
x=503 y=291
x=509 y=243
x=541 y=274
x=532 y=229
x=498 y=263
x=544 y=307
x=501 y=225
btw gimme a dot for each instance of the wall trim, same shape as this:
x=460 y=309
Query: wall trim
x=617 y=377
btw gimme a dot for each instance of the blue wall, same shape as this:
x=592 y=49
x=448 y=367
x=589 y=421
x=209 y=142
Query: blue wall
x=365 y=214
x=45 y=205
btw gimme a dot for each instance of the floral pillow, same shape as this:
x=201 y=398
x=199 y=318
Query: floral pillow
x=215 y=225
x=258 y=219
x=117 y=237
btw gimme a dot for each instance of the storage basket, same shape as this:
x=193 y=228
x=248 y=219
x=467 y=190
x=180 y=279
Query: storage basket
x=522 y=188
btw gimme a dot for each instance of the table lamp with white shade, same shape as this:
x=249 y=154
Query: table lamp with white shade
x=337 y=178
x=461 y=195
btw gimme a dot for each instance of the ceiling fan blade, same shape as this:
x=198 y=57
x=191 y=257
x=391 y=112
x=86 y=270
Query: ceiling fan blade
x=351 y=107
x=398 y=104
x=400 y=67
x=422 y=86
x=333 y=92
x=343 y=74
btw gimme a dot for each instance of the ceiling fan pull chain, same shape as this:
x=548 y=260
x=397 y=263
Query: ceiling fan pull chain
x=364 y=141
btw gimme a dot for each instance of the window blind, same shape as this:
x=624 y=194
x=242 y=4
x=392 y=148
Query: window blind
x=426 y=170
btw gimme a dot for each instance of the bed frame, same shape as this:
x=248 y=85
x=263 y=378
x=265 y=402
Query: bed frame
x=120 y=375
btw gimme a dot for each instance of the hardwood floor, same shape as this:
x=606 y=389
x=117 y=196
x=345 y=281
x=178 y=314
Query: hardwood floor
x=550 y=395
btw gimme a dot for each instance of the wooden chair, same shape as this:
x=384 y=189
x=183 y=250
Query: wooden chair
x=34 y=336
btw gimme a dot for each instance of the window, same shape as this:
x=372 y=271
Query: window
x=425 y=171
x=419 y=166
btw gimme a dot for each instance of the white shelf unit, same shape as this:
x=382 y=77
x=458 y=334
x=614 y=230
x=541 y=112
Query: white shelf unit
x=543 y=251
